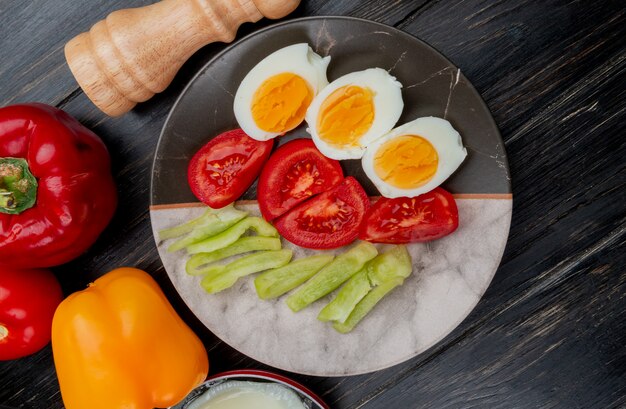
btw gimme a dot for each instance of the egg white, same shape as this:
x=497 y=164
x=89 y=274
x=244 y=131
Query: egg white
x=388 y=107
x=298 y=59
x=443 y=137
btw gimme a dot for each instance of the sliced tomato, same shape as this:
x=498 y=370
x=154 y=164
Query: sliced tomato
x=224 y=168
x=294 y=173
x=411 y=219
x=328 y=220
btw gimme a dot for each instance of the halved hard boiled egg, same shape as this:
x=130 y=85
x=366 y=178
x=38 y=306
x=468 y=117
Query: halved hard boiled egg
x=414 y=158
x=353 y=111
x=274 y=96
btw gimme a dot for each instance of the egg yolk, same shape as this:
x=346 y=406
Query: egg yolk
x=280 y=103
x=345 y=115
x=406 y=161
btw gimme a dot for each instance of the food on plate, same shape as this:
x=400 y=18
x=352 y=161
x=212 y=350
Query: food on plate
x=245 y=394
x=199 y=263
x=28 y=298
x=276 y=282
x=220 y=277
x=426 y=217
x=353 y=111
x=366 y=305
x=390 y=265
x=361 y=268
x=328 y=220
x=209 y=224
x=347 y=298
x=295 y=172
x=303 y=193
x=224 y=168
x=56 y=190
x=394 y=263
x=232 y=234
x=414 y=158
x=332 y=275
x=274 y=96
x=119 y=343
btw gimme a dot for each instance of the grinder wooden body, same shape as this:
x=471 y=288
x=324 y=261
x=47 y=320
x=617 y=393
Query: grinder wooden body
x=135 y=53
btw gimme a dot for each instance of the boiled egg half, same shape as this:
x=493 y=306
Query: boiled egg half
x=353 y=111
x=274 y=96
x=414 y=158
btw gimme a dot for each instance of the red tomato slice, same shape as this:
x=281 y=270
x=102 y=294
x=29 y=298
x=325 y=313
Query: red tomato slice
x=295 y=172
x=411 y=219
x=328 y=220
x=224 y=168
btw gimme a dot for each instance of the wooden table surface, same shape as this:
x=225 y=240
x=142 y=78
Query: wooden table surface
x=549 y=332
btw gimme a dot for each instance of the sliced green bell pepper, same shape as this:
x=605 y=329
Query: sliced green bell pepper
x=392 y=264
x=347 y=298
x=332 y=276
x=181 y=229
x=276 y=282
x=197 y=264
x=218 y=279
x=230 y=235
x=207 y=225
x=366 y=304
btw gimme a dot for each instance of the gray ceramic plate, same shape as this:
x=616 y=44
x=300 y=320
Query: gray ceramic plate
x=450 y=275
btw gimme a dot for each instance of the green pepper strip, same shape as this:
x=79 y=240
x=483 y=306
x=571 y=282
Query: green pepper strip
x=180 y=229
x=246 y=265
x=196 y=265
x=230 y=235
x=347 y=298
x=366 y=304
x=18 y=187
x=208 y=225
x=332 y=276
x=276 y=282
x=394 y=263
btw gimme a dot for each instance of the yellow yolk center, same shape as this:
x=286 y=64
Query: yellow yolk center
x=280 y=103
x=406 y=161
x=345 y=115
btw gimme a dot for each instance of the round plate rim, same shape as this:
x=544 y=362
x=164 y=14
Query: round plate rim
x=396 y=31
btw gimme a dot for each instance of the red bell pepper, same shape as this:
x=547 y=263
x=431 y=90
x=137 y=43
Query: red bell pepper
x=28 y=299
x=56 y=189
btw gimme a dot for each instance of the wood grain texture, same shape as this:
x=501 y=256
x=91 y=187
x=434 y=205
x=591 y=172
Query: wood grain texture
x=549 y=332
x=33 y=65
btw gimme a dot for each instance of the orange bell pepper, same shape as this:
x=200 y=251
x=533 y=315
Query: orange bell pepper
x=120 y=344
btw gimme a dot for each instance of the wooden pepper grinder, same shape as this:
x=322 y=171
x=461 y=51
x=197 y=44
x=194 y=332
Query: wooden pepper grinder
x=135 y=53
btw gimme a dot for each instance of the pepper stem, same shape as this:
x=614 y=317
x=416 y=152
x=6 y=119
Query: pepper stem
x=18 y=187
x=4 y=332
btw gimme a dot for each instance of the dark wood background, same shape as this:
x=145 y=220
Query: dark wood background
x=550 y=331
